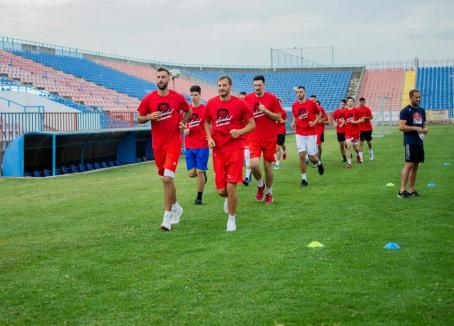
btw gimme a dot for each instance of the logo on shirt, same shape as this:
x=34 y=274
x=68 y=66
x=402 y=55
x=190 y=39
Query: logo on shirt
x=194 y=121
x=222 y=117
x=257 y=112
x=166 y=111
x=350 y=117
x=302 y=114
x=417 y=118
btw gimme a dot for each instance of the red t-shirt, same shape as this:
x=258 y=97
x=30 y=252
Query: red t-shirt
x=350 y=115
x=320 y=127
x=197 y=137
x=280 y=127
x=338 y=118
x=265 y=127
x=303 y=113
x=365 y=112
x=223 y=117
x=165 y=131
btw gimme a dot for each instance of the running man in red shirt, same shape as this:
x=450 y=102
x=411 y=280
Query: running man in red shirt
x=352 y=118
x=320 y=126
x=305 y=116
x=266 y=110
x=280 y=142
x=339 y=124
x=247 y=154
x=227 y=119
x=365 y=128
x=162 y=107
x=196 y=144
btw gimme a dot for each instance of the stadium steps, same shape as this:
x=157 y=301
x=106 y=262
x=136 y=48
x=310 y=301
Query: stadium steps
x=409 y=84
x=355 y=81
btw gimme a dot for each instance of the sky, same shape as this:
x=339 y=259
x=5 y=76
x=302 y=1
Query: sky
x=239 y=32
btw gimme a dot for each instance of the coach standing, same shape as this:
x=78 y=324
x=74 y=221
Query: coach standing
x=413 y=124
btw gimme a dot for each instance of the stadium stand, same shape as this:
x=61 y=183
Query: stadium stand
x=92 y=71
x=148 y=73
x=436 y=84
x=66 y=86
x=409 y=84
x=382 y=82
x=329 y=86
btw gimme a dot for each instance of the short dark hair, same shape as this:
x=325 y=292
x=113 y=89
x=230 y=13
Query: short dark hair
x=413 y=92
x=350 y=98
x=259 y=77
x=318 y=102
x=226 y=77
x=243 y=93
x=344 y=101
x=362 y=99
x=314 y=96
x=195 y=88
x=163 y=69
x=301 y=87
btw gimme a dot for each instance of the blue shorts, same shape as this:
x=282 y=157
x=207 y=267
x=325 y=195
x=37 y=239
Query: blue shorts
x=197 y=158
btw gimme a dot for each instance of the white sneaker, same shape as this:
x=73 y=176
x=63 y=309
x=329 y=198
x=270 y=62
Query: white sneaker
x=231 y=225
x=177 y=210
x=371 y=156
x=166 y=224
x=226 y=206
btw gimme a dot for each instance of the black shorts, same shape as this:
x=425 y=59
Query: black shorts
x=280 y=139
x=322 y=138
x=414 y=153
x=340 y=137
x=365 y=135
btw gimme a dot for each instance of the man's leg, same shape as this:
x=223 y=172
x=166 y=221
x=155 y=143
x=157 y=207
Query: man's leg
x=170 y=193
x=232 y=203
x=412 y=177
x=303 y=167
x=404 y=175
x=348 y=152
x=342 y=150
x=255 y=167
x=371 y=150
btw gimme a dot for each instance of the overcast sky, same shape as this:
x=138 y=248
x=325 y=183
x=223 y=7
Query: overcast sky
x=238 y=32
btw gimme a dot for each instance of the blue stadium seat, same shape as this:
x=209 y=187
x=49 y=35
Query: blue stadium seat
x=82 y=167
x=65 y=170
x=90 y=166
x=104 y=165
x=74 y=168
x=37 y=173
x=97 y=166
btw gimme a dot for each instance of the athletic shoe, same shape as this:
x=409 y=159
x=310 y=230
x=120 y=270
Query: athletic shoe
x=260 y=191
x=314 y=165
x=166 y=224
x=344 y=160
x=306 y=161
x=358 y=158
x=371 y=156
x=246 y=181
x=321 y=169
x=276 y=166
x=284 y=156
x=268 y=198
x=231 y=225
x=177 y=210
x=349 y=166
x=413 y=193
x=198 y=201
x=226 y=206
x=402 y=195
x=304 y=183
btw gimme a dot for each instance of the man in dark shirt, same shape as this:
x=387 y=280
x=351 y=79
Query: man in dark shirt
x=413 y=124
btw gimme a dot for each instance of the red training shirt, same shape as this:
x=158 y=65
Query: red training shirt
x=365 y=112
x=338 y=118
x=223 y=117
x=350 y=115
x=303 y=113
x=280 y=127
x=197 y=137
x=265 y=127
x=165 y=131
x=320 y=127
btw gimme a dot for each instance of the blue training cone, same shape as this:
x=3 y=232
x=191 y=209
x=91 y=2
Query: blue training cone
x=392 y=246
x=446 y=164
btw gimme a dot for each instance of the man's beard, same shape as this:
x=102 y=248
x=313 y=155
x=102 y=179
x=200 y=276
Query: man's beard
x=162 y=87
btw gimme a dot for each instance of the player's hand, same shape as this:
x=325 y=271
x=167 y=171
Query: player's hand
x=419 y=130
x=186 y=131
x=425 y=130
x=312 y=123
x=262 y=107
x=235 y=133
x=293 y=125
x=211 y=142
x=182 y=125
x=154 y=115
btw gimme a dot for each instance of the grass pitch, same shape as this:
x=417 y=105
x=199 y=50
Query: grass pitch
x=87 y=250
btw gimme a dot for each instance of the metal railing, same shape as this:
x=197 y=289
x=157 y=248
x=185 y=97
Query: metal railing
x=40 y=108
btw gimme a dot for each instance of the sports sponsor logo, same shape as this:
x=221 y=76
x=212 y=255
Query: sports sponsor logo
x=194 y=121
x=257 y=112
x=302 y=114
x=417 y=118
x=222 y=117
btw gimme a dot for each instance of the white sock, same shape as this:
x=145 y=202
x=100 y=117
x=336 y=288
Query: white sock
x=303 y=176
x=248 y=173
x=176 y=206
x=269 y=190
x=360 y=155
x=276 y=163
x=260 y=183
x=349 y=160
x=232 y=217
x=319 y=162
x=371 y=151
x=306 y=157
x=167 y=213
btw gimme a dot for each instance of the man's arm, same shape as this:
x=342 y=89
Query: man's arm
x=272 y=115
x=250 y=125
x=207 y=127
x=317 y=118
x=141 y=119
x=185 y=119
x=405 y=128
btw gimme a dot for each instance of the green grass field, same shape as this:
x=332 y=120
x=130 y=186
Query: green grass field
x=87 y=250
